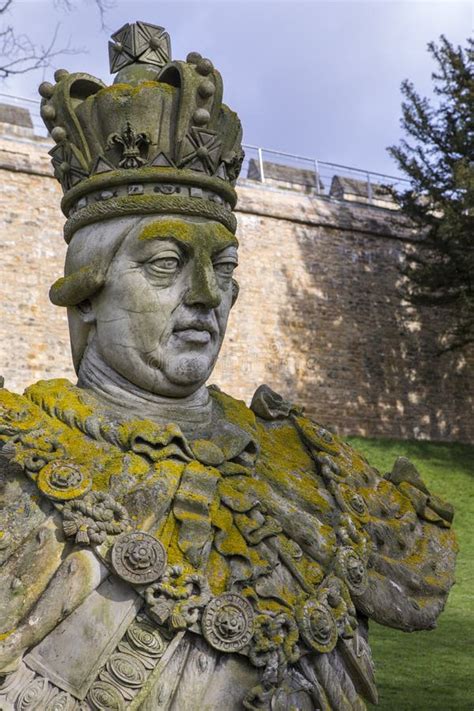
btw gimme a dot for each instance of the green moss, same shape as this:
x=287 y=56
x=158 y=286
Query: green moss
x=199 y=235
x=164 y=229
x=131 y=90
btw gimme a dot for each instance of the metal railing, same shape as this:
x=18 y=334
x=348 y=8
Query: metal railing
x=32 y=105
x=279 y=169
x=317 y=177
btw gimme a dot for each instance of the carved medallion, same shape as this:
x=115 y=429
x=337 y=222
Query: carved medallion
x=352 y=570
x=357 y=504
x=138 y=558
x=317 y=626
x=62 y=481
x=354 y=502
x=104 y=696
x=227 y=622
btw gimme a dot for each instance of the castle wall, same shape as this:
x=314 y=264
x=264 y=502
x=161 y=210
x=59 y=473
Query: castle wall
x=318 y=318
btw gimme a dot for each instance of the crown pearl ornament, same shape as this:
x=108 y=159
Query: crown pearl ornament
x=158 y=140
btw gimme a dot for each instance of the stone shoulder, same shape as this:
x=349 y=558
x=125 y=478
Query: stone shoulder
x=22 y=511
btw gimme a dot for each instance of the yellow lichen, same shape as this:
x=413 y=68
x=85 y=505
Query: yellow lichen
x=132 y=90
x=217 y=572
x=286 y=465
x=235 y=411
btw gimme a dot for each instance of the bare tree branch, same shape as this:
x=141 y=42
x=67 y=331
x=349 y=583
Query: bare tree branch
x=19 y=54
x=103 y=6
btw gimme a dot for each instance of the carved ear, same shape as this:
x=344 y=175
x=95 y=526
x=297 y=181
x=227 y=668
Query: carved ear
x=78 y=286
x=86 y=311
x=235 y=291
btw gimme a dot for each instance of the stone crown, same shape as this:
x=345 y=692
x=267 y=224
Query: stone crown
x=158 y=136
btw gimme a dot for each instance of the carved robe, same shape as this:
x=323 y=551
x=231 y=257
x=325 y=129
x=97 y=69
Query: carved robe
x=140 y=569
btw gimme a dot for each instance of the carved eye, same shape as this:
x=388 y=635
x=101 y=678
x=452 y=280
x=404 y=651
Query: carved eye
x=164 y=265
x=225 y=268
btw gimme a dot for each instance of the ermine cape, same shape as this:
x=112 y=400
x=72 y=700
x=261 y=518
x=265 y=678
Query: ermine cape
x=142 y=569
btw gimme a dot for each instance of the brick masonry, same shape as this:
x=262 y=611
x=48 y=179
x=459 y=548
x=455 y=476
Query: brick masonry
x=318 y=318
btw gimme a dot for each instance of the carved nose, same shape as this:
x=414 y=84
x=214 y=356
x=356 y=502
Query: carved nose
x=203 y=290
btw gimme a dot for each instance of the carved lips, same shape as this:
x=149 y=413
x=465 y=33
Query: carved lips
x=196 y=331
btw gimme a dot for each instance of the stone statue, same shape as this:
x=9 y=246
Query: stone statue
x=162 y=545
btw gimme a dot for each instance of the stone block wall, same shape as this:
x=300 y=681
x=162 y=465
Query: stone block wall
x=319 y=317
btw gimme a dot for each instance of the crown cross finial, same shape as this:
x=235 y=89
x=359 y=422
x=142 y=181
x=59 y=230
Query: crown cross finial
x=131 y=144
x=139 y=42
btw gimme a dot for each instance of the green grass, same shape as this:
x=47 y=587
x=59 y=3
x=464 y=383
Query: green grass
x=432 y=671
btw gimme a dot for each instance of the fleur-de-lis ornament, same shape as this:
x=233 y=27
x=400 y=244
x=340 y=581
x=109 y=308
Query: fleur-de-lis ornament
x=132 y=144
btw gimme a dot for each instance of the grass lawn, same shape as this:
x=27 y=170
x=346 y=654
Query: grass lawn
x=432 y=671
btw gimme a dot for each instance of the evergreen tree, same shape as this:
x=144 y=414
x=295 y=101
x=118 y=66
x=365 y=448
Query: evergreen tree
x=438 y=158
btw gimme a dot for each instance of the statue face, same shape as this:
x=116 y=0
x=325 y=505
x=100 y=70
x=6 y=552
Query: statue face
x=161 y=315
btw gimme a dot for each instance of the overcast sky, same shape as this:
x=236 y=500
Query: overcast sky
x=318 y=79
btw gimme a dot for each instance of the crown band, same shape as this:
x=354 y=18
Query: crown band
x=111 y=179
x=147 y=204
x=147 y=189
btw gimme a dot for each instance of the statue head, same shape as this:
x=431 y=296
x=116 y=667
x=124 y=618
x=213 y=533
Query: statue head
x=148 y=168
x=158 y=308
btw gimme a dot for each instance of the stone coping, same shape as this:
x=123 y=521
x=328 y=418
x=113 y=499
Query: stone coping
x=30 y=155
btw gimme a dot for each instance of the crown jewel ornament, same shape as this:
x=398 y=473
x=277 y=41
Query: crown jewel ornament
x=158 y=140
x=139 y=42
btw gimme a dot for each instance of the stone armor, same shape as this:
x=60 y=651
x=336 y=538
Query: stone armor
x=267 y=545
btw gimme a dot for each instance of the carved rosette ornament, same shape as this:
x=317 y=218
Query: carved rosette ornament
x=317 y=626
x=138 y=558
x=227 y=622
x=63 y=481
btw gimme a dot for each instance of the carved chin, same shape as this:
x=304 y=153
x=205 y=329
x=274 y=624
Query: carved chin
x=188 y=370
